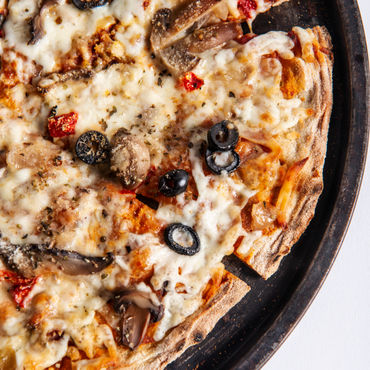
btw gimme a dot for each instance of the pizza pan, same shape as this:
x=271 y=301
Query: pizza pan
x=253 y=330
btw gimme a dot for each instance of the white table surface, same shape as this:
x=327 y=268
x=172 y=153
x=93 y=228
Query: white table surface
x=334 y=334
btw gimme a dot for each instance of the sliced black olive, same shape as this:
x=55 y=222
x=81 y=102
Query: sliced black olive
x=92 y=147
x=223 y=136
x=219 y=161
x=177 y=231
x=173 y=183
x=89 y=4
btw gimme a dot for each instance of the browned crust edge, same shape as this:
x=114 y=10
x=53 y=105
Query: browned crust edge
x=266 y=260
x=190 y=332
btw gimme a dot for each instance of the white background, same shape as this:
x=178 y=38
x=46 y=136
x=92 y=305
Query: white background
x=334 y=334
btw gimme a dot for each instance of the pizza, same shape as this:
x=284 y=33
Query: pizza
x=140 y=144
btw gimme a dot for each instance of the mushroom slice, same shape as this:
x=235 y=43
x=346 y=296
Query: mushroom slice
x=166 y=25
x=180 y=55
x=140 y=299
x=47 y=82
x=137 y=310
x=89 y=4
x=18 y=258
x=178 y=50
x=37 y=23
x=133 y=326
x=24 y=259
x=73 y=263
x=130 y=158
x=212 y=36
x=177 y=58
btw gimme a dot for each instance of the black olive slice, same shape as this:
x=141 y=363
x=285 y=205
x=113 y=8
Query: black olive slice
x=176 y=231
x=89 y=4
x=219 y=161
x=223 y=136
x=173 y=183
x=92 y=147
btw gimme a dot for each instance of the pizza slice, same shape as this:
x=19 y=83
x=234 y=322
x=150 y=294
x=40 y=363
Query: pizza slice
x=286 y=170
x=122 y=189
x=88 y=36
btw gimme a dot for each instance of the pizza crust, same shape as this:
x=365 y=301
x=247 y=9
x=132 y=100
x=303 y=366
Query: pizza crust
x=190 y=332
x=268 y=250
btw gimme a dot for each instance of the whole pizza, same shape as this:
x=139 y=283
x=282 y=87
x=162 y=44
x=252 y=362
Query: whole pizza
x=140 y=143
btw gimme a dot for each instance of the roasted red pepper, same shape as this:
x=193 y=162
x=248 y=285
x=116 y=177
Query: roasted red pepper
x=146 y=3
x=245 y=38
x=21 y=287
x=63 y=125
x=247 y=7
x=191 y=82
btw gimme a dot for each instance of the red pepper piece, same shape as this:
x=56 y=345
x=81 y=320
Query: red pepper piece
x=21 y=286
x=247 y=7
x=146 y=3
x=245 y=38
x=63 y=125
x=126 y=191
x=191 y=82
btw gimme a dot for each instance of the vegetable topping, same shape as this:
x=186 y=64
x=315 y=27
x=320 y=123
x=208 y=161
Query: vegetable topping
x=24 y=259
x=222 y=139
x=223 y=136
x=21 y=286
x=62 y=125
x=89 y=4
x=92 y=147
x=130 y=158
x=247 y=7
x=137 y=310
x=182 y=239
x=219 y=161
x=173 y=183
x=191 y=82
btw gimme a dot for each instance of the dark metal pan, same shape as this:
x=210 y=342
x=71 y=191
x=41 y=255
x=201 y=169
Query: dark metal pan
x=253 y=330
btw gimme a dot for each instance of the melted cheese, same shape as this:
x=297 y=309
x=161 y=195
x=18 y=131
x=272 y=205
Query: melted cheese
x=137 y=97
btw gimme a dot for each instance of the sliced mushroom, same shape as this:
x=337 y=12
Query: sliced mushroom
x=89 y=4
x=133 y=326
x=180 y=55
x=167 y=25
x=73 y=263
x=24 y=259
x=47 y=82
x=176 y=49
x=137 y=310
x=212 y=36
x=140 y=299
x=177 y=58
x=37 y=23
x=18 y=258
x=130 y=158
